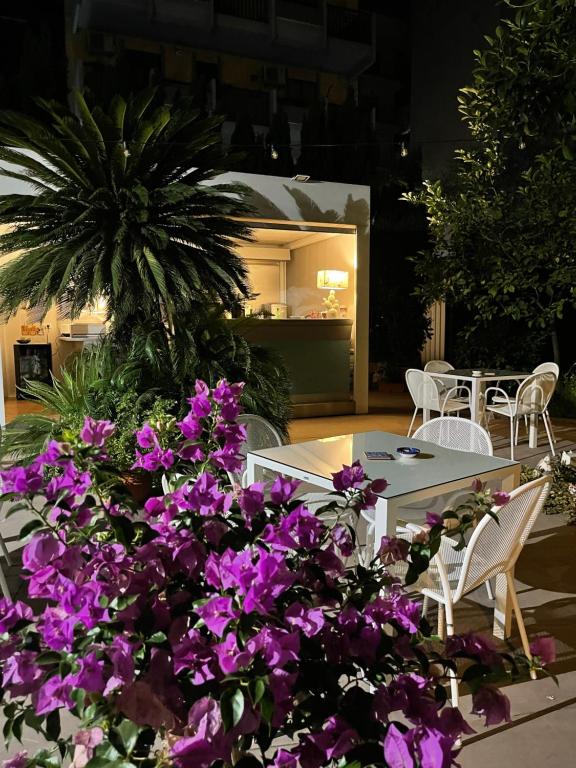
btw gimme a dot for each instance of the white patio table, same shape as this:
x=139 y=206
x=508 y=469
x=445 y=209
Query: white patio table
x=436 y=471
x=477 y=385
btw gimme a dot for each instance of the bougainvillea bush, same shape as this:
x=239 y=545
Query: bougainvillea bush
x=197 y=629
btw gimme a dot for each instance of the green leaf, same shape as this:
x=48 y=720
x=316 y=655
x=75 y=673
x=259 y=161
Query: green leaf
x=257 y=689
x=128 y=733
x=53 y=725
x=232 y=707
x=31 y=527
x=157 y=637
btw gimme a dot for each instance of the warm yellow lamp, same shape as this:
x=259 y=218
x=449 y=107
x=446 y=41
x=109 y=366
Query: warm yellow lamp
x=331 y=280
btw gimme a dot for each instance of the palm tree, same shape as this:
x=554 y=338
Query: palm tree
x=120 y=211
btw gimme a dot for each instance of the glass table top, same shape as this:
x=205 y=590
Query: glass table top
x=434 y=466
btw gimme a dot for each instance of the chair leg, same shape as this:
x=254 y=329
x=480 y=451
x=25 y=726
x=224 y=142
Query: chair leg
x=489 y=590
x=4 y=585
x=545 y=418
x=516 y=431
x=441 y=622
x=412 y=422
x=4 y=550
x=451 y=673
x=519 y=619
x=551 y=428
x=512 y=439
x=425 y=605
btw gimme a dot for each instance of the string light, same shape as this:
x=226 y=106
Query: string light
x=403 y=150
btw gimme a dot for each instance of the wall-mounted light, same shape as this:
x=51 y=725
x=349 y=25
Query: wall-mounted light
x=301 y=177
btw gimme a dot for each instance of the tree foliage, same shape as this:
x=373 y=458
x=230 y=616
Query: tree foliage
x=120 y=212
x=503 y=228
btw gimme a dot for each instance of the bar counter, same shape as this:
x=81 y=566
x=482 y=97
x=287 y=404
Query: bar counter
x=317 y=354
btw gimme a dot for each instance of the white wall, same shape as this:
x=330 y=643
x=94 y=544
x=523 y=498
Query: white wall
x=337 y=252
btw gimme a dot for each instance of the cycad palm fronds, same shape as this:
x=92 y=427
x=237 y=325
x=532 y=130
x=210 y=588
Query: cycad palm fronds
x=120 y=211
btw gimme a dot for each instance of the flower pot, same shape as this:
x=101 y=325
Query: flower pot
x=138 y=485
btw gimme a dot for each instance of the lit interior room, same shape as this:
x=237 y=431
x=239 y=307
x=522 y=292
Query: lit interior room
x=304 y=305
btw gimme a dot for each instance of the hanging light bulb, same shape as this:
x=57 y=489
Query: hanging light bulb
x=403 y=150
x=521 y=144
x=274 y=153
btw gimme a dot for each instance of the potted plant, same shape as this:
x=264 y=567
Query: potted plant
x=203 y=627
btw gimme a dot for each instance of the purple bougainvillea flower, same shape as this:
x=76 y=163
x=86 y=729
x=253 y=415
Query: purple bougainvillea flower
x=21 y=674
x=349 y=477
x=12 y=613
x=96 y=433
x=208 y=742
x=42 y=549
x=191 y=427
x=341 y=537
x=393 y=550
x=472 y=644
x=22 y=480
x=282 y=490
x=499 y=498
x=217 y=613
x=477 y=485
x=493 y=705
x=146 y=437
x=156 y=459
x=397 y=754
x=54 y=694
x=90 y=676
x=432 y=519
x=20 y=760
x=86 y=742
x=335 y=739
x=309 y=620
x=230 y=658
x=251 y=502
x=379 y=485
x=285 y=759
x=544 y=647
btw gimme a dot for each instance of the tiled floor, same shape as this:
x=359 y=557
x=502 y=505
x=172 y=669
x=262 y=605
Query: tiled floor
x=542 y=732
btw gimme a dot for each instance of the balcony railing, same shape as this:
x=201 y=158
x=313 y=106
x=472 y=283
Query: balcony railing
x=306 y=11
x=254 y=10
x=349 y=25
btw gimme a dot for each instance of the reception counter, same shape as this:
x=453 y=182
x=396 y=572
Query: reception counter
x=317 y=354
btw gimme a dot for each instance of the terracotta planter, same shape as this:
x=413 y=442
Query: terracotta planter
x=138 y=485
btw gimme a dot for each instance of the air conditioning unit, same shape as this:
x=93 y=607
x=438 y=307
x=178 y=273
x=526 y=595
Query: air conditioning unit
x=274 y=76
x=101 y=44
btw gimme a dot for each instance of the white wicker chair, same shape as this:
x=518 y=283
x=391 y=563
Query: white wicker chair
x=441 y=366
x=493 y=549
x=424 y=393
x=542 y=368
x=531 y=399
x=455 y=433
x=260 y=434
x=449 y=432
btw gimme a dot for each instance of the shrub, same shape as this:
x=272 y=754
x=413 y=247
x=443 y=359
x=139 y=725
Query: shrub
x=196 y=630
